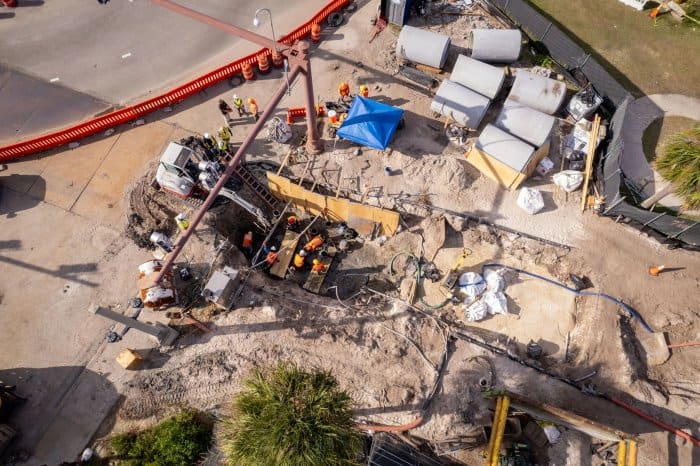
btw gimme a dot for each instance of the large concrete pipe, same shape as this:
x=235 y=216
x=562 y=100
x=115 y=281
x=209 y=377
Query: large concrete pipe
x=421 y=46
x=478 y=76
x=496 y=45
x=527 y=123
x=505 y=147
x=538 y=92
x=461 y=105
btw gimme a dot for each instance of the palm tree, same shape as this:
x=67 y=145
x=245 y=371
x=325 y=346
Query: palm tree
x=680 y=164
x=290 y=417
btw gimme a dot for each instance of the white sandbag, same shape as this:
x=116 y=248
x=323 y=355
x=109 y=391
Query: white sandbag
x=496 y=302
x=494 y=280
x=471 y=284
x=568 y=180
x=475 y=311
x=530 y=200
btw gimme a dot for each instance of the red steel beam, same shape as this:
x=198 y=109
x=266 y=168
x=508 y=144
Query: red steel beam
x=259 y=125
x=223 y=26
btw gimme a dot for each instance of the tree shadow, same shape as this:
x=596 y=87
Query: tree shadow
x=64 y=407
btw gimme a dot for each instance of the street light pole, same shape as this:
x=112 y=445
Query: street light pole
x=256 y=23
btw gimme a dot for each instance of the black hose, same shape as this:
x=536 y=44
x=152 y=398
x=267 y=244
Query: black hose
x=626 y=307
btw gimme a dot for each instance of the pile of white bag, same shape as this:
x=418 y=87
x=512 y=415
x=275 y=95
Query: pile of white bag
x=483 y=295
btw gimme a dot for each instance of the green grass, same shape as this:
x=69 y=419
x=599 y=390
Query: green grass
x=290 y=417
x=680 y=164
x=178 y=441
x=656 y=134
x=645 y=58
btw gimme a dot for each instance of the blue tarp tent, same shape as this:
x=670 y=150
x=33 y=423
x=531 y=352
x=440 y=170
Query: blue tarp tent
x=370 y=123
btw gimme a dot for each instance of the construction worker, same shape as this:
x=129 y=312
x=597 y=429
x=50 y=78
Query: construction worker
x=299 y=259
x=315 y=243
x=225 y=110
x=225 y=137
x=248 y=243
x=318 y=266
x=344 y=91
x=291 y=222
x=253 y=108
x=271 y=257
x=211 y=148
x=238 y=104
x=364 y=91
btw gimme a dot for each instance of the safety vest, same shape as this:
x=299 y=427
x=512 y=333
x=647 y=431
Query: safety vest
x=248 y=240
x=364 y=91
x=253 y=108
x=238 y=102
x=344 y=89
x=298 y=261
x=318 y=268
x=314 y=244
x=225 y=133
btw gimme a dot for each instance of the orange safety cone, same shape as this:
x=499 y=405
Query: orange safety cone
x=263 y=63
x=315 y=32
x=655 y=270
x=248 y=74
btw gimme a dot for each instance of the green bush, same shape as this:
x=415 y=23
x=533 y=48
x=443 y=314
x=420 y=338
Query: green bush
x=290 y=417
x=680 y=164
x=178 y=441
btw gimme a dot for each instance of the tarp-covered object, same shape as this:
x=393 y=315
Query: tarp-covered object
x=370 y=123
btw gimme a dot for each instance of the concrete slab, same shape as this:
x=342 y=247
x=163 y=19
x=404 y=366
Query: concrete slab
x=67 y=173
x=22 y=174
x=104 y=197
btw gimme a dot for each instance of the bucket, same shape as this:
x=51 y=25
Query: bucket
x=333 y=116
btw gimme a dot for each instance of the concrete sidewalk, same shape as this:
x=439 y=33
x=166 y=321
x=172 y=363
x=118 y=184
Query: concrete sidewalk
x=640 y=114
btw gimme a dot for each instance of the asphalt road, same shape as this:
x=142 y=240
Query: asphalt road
x=118 y=53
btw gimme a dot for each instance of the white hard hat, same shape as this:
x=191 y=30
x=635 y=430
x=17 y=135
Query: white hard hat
x=206 y=136
x=235 y=96
x=273 y=248
x=302 y=253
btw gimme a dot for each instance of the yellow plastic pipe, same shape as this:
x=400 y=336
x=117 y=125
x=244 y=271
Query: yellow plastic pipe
x=492 y=437
x=632 y=453
x=621 y=453
x=501 y=429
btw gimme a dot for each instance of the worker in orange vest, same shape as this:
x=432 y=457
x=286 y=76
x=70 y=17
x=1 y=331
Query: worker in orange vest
x=315 y=243
x=318 y=266
x=248 y=242
x=344 y=90
x=253 y=108
x=271 y=257
x=364 y=91
x=299 y=259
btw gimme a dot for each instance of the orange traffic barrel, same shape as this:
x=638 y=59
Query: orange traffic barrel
x=248 y=72
x=263 y=63
x=277 y=59
x=315 y=32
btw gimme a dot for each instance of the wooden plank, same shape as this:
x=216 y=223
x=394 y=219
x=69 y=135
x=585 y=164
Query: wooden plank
x=494 y=169
x=315 y=279
x=335 y=209
x=285 y=255
x=592 y=143
x=284 y=161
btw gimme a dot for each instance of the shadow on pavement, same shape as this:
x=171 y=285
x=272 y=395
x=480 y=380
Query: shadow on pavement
x=62 y=408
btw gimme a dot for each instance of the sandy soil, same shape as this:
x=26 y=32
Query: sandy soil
x=386 y=353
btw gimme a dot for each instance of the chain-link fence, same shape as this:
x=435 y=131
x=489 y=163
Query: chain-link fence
x=617 y=189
